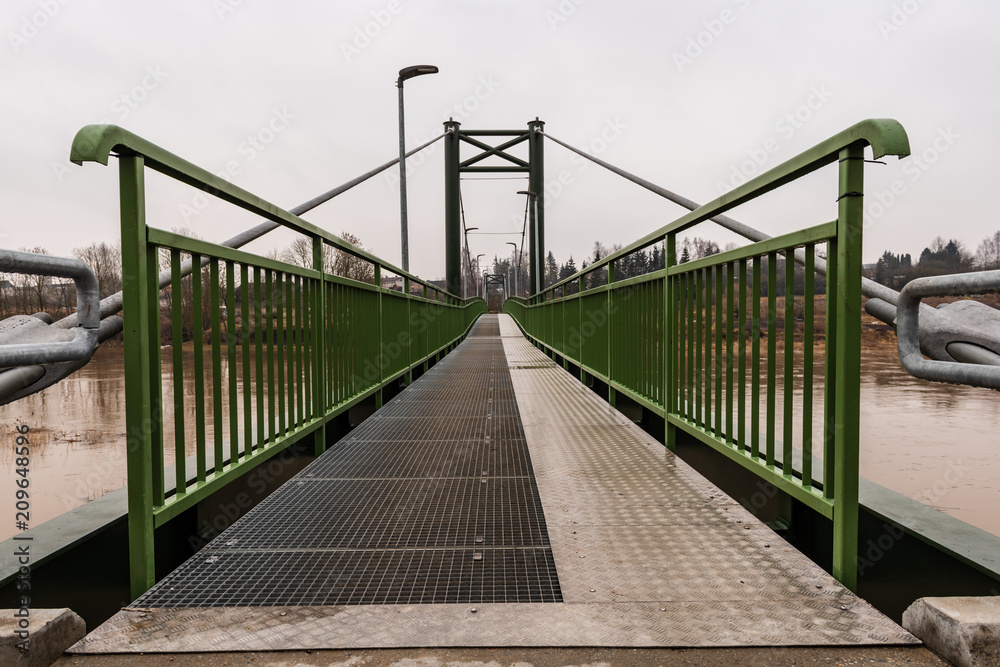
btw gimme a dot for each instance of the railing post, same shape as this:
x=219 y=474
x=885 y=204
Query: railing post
x=319 y=351
x=612 y=395
x=409 y=334
x=139 y=267
x=847 y=370
x=378 y=336
x=579 y=323
x=669 y=388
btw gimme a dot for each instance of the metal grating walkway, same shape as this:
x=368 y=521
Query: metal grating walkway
x=648 y=552
x=429 y=501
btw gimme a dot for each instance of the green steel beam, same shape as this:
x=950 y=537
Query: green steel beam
x=847 y=372
x=452 y=209
x=536 y=219
x=140 y=441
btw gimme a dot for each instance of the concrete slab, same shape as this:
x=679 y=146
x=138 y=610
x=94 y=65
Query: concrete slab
x=37 y=637
x=965 y=630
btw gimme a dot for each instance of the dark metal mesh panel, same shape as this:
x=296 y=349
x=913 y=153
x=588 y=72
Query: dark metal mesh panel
x=408 y=576
x=431 y=500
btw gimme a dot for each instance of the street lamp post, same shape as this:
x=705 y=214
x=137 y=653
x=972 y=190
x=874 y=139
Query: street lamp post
x=516 y=293
x=535 y=259
x=482 y=254
x=465 y=292
x=404 y=74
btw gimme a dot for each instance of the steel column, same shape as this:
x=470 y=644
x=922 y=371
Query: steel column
x=452 y=209
x=536 y=215
x=139 y=342
x=847 y=370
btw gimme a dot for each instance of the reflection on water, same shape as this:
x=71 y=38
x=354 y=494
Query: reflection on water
x=932 y=442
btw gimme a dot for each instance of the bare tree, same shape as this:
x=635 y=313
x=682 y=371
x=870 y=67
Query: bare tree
x=105 y=259
x=988 y=253
x=338 y=262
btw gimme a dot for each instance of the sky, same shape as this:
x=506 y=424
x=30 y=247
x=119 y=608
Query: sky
x=291 y=99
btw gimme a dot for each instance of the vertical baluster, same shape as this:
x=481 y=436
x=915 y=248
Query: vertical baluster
x=772 y=352
x=305 y=299
x=730 y=320
x=234 y=429
x=215 y=313
x=691 y=410
x=741 y=320
x=717 y=315
x=699 y=348
x=281 y=288
x=258 y=339
x=291 y=316
x=755 y=296
x=177 y=340
x=808 y=318
x=198 y=327
x=269 y=307
x=788 y=382
x=248 y=439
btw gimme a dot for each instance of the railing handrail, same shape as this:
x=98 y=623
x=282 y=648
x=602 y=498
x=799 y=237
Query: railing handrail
x=95 y=143
x=886 y=136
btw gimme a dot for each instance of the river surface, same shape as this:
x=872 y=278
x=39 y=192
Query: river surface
x=932 y=442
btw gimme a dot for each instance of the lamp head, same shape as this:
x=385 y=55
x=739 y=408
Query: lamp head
x=414 y=70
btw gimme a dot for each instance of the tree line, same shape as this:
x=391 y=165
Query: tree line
x=638 y=263
x=939 y=258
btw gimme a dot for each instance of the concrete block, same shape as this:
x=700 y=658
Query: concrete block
x=50 y=633
x=964 y=630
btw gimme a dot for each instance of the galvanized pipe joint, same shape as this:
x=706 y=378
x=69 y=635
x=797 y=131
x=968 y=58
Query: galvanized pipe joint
x=83 y=341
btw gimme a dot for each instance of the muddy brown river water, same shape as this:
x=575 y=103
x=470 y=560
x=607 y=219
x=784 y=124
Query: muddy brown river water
x=932 y=442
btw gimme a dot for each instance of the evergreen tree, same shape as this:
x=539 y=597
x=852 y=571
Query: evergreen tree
x=551 y=270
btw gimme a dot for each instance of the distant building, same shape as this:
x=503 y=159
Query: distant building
x=393 y=282
x=868 y=271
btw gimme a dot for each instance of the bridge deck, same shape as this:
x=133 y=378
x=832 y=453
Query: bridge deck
x=425 y=527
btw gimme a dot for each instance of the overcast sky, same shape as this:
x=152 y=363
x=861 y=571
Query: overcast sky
x=293 y=98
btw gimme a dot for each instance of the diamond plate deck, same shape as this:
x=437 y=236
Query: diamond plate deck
x=648 y=553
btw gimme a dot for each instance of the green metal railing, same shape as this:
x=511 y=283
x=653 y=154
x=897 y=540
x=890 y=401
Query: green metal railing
x=274 y=350
x=691 y=342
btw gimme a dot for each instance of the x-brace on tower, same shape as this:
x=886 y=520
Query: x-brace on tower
x=454 y=167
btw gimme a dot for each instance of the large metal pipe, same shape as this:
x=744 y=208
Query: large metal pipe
x=83 y=340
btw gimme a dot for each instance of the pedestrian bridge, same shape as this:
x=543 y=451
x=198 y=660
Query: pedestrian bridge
x=493 y=498
x=495 y=502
